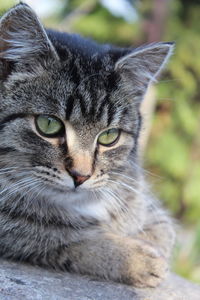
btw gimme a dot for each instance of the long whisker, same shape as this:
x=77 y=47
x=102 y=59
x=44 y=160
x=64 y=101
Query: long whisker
x=144 y=188
x=143 y=171
x=15 y=173
x=15 y=168
x=124 y=209
x=105 y=195
x=123 y=175
x=124 y=185
x=19 y=184
x=33 y=193
x=22 y=195
x=121 y=205
x=146 y=193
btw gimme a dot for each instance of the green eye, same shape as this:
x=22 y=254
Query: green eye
x=49 y=126
x=109 y=137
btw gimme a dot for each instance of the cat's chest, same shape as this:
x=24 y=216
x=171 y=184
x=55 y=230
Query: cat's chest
x=96 y=211
x=85 y=206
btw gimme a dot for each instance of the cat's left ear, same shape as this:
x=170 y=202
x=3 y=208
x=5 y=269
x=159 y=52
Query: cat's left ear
x=142 y=66
x=23 y=40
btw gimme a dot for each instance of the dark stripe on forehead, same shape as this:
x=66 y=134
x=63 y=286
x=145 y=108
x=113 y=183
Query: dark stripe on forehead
x=111 y=83
x=73 y=72
x=70 y=105
x=93 y=103
x=111 y=113
x=92 y=90
x=10 y=118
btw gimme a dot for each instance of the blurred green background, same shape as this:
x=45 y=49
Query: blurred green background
x=172 y=145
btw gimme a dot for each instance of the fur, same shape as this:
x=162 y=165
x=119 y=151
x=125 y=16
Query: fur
x=109 y=226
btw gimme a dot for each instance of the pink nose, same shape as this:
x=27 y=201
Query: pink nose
x=78 y=178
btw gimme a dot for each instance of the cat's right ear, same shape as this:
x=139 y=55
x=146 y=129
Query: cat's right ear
x=141 y=66
x=24 y=43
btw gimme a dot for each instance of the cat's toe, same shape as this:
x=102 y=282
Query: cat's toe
x=148 y=267
x=153 y=274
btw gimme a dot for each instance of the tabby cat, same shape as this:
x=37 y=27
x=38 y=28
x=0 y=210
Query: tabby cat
x=73 y=196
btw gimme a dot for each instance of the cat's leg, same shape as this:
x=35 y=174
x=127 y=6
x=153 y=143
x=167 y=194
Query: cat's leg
x=141 y=260
x=159 y=231
x=117 y=258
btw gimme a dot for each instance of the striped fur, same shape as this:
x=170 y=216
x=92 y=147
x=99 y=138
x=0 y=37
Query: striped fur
x=109 y=226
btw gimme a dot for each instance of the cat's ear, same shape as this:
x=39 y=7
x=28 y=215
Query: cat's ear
x=142 y=66
x=23 y=39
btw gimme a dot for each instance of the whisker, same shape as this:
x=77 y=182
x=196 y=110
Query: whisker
x=123 y=209
x=124 y=185
x=143 y=171
x=123 y=175
x=119 y=201
x=19 y=184
x=22 y=195
x=105 y=195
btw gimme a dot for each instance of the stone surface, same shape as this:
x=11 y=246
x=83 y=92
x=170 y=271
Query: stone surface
x=21 y=282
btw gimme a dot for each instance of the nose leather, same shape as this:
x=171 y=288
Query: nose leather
x=78 y=178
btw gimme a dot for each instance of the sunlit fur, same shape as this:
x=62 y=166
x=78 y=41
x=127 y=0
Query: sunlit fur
x=109 y=226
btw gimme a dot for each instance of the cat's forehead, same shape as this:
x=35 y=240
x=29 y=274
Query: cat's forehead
x=75 y=92
x=81 y=90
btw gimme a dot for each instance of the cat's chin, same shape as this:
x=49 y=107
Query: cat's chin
x=67 y=195
x=82 y=203
x=68 y=191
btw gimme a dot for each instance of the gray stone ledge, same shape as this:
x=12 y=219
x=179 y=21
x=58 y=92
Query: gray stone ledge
x=21 y=282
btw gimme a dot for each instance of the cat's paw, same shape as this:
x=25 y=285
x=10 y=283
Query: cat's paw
x=147 y=267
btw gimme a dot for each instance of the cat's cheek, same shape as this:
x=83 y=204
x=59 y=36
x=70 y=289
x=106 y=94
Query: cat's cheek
x=115 y=156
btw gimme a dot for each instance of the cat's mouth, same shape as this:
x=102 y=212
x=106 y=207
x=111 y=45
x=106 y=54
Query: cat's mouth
x=76 y=190
x=60 y=182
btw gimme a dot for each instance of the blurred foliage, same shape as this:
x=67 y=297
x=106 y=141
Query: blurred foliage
x=186 y=260
x=5 y=5
x=173 y=150
x=174 y=147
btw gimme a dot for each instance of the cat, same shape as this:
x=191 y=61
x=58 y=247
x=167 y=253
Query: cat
x=73 y=196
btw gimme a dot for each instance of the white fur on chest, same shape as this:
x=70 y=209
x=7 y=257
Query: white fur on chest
x=95 y=210
x=85 y=205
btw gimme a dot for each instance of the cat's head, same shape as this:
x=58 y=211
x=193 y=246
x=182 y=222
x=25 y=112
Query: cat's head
x=69 y=108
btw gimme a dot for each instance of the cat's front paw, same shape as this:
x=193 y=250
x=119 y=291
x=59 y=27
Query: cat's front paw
x=147 y=266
